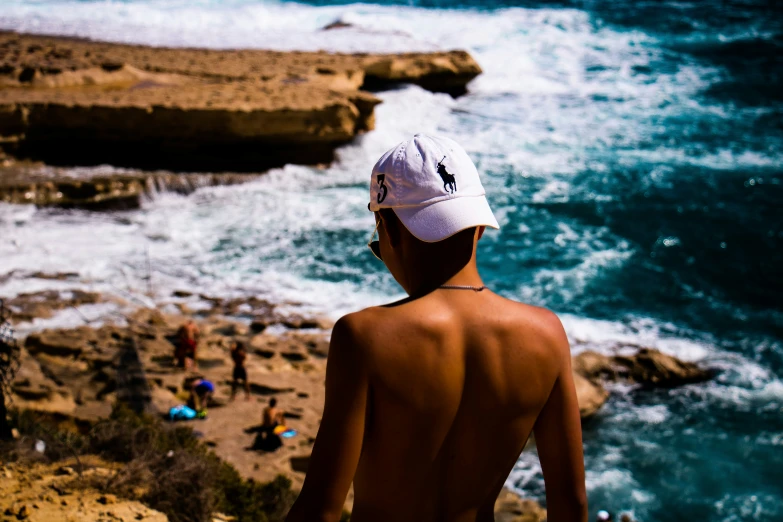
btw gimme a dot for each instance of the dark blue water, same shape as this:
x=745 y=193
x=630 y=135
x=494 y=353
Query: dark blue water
x=701 y=235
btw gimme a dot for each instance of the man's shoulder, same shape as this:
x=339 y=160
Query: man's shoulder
x=371 y=328
x=536 y=322
x=357 y=326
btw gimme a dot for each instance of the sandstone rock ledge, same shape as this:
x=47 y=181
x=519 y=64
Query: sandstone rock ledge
x=94 y=190
x=75 y=102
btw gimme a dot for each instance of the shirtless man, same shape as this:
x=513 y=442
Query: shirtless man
x=272 y=417
x=268 y=440
x=430 y=400
x=188 y=342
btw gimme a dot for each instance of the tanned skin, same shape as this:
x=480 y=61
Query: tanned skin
x=430 y=400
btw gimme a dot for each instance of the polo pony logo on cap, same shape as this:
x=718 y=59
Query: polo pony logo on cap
x=449 y=182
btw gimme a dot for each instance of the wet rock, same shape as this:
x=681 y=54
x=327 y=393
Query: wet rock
x=654 y=368
x=648 y=367
x=589 y=395
x=337 y=24
x=29 y=306
x=510 y=507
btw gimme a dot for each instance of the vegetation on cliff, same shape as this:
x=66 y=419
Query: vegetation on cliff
x=164 y=466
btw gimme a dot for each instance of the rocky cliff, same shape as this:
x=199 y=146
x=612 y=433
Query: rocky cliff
x=75 y=102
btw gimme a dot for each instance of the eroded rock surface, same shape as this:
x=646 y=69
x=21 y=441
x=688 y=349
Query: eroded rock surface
x=648 y=367
x=591 y=396
x=510 y=507
x=48 y=493
x=43 y=304
x=55 y=187
x=68 y=101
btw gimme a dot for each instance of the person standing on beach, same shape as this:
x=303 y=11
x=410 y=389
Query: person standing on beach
x=431 y=399
x=188 y=336
x=239 y=355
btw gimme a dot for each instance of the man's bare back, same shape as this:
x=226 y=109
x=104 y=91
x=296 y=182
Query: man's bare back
x=459 y=379
x=430 y=400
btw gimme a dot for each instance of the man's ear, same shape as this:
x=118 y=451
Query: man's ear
x=480 y=232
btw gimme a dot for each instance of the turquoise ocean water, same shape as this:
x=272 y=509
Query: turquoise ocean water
x=632 y=152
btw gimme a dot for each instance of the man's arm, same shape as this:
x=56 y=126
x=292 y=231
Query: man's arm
x=338 y=444
x=558 y=433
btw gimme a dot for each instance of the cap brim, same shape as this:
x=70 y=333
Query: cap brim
x=443 y=219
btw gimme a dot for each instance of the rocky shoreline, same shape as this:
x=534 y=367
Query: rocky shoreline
x=80 y=372
x=97 y=190
x=69 y=102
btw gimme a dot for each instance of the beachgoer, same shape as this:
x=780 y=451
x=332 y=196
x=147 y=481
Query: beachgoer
x=187 y=343
x=272 y=417
x=430 y=400
x=239 y=355
x=268 y=439
x=603 y=516
x=625 y=517
x=200 y=392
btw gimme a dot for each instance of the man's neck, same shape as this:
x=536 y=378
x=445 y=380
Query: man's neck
x=428 y=278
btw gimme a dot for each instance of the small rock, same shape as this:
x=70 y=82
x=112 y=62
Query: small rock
x=107 y=499
x=509 y=507
x=337 y=24
x=65 y=470
x=589 y=395
x=259 y=324
x=23 y=513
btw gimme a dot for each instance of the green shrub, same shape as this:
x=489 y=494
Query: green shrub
x=62 y=437
x=164 y=465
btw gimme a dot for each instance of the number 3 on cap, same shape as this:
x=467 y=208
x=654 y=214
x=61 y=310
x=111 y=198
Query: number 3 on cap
x=382 y=190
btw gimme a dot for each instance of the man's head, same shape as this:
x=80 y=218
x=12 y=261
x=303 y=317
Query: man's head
x=430 y=206
x=272 y=402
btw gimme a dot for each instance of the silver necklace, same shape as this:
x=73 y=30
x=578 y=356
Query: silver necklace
x=463 y=287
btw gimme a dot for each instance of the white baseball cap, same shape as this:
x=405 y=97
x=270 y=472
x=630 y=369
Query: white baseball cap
x=433 y=187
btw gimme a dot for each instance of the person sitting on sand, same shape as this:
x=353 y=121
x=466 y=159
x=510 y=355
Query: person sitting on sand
x=272 y=417
x=267 y=439
x=430 y=400
x=239 y=355
x=185 y=354
x=200 y=392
